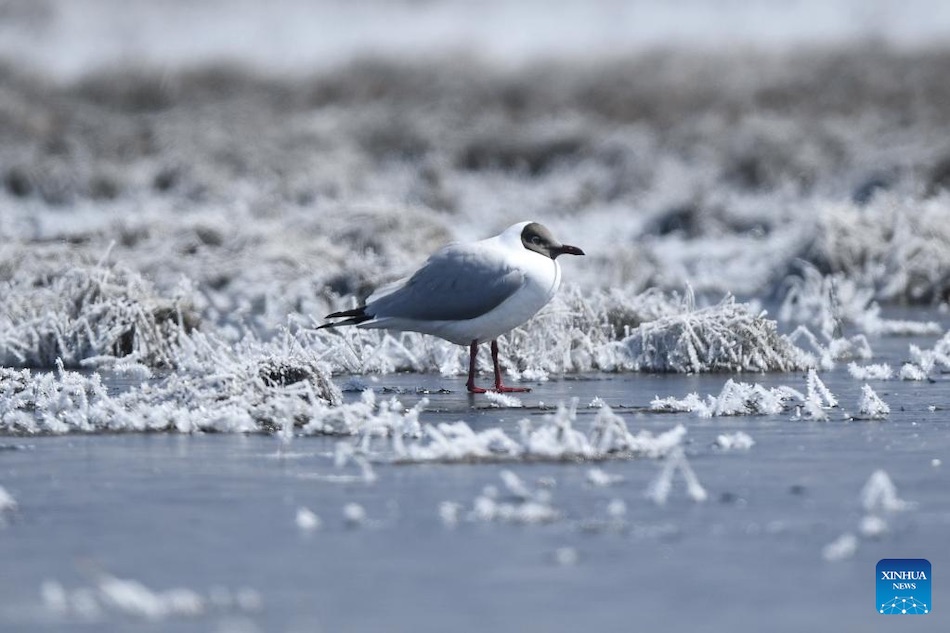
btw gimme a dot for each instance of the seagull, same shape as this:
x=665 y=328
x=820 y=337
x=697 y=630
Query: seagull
x=471 y=293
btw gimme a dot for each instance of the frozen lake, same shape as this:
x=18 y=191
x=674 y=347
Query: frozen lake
x=187 y=188
x=217 y=515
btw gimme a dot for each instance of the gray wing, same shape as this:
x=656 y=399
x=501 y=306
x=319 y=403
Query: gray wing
x=455 y=284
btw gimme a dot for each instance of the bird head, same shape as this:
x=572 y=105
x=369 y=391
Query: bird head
x=536 y=237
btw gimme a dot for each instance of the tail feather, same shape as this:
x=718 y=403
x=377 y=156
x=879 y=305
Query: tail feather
x=351 y=317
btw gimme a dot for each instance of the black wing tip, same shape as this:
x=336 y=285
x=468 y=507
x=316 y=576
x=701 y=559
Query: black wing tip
x=351 y=317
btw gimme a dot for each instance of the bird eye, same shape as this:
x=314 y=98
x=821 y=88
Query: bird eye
x=536 y=240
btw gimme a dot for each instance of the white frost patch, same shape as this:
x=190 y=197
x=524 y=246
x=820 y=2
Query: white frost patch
x=872 y=526
x=7 y=502
x=131 y=598
x=841 y=548
x=554 y=439
x=346 y=453
x=871 y=372
x=880 y=493
x=449 y=512
x=739 y=398
x=354 y=515
x=365 y=417
x=910 y=371
x=871 y=404
x=617 y=509
x=734 y=441
x=523 y=505
x=736 y=398
x=818 y=397
x=597 y=477
x=502 y=400
x=660 y=488
x=566 y=556
x=834 y=348
x=307 y=520
x=928 y=360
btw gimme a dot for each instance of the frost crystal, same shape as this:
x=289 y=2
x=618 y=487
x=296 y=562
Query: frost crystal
x=555 y=439
x=735 y=441
x=880 y=493
x=910 y=371
x=871 y=404
x=660 y=488
x=871 y=372
x=842 y=548
x=818 y=398
x=736 y=398
x=7 y=502
x=307 y=521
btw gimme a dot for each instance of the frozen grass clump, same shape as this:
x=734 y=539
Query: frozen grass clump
x=662 y=485
x=881 y=371
x=124 y=599
x=880 y=494
x=725 y=337
x=896 y=246
x=84 y=315
x=736 y=398
x=871 y=405
x=252 y=387
x=928 y=360
x=576 y=332
x=555 y=439
x=519 y=503
x=740 y=398
x=7 y=502
x=831 y=301
x=831 y=348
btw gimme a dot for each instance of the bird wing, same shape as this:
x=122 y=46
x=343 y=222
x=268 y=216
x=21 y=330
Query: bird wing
x=455 y=284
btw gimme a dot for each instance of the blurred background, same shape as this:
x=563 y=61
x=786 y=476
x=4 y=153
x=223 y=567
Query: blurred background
x=282 y=158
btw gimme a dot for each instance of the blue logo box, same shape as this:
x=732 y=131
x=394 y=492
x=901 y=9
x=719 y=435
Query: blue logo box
x=903 y=586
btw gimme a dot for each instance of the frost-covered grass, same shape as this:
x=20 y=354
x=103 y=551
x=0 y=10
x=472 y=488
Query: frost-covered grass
x=217 y=387
x=123 y=598
x=191 y=226
x=554 y=439
x=75 y=313
x=287 y=196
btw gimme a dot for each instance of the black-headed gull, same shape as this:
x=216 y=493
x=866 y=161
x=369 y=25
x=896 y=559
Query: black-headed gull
x=471 y=293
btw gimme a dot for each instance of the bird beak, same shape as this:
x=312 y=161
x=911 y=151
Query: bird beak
x=566 y=248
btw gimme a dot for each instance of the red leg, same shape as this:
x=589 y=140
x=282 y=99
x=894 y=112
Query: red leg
x=500 y=388
x=472 y=353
